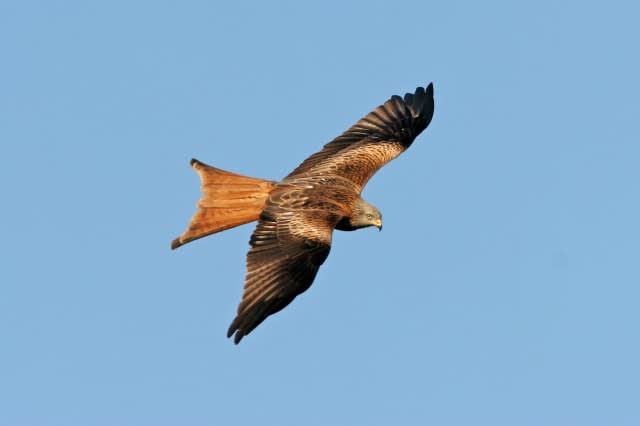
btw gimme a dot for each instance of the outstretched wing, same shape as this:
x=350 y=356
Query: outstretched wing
x=287 y=249
x=373 y=141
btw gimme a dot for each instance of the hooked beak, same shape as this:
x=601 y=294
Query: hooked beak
x=378 y=224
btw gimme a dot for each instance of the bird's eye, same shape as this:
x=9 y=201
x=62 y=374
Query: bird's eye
x=369 y=216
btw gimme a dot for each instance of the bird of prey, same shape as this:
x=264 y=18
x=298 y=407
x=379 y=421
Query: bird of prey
x=297 y=215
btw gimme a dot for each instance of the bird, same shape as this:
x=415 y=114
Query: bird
x=297 y=215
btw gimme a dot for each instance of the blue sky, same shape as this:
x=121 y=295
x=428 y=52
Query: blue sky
x=503 y=289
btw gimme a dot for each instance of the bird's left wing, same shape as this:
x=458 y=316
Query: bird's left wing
x=287 y=249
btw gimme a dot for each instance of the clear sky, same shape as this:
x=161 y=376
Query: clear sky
x=503 y=289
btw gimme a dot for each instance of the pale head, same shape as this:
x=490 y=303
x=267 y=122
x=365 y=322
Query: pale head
x=365 y=214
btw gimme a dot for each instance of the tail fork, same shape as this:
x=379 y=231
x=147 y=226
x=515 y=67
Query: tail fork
x=228 y=200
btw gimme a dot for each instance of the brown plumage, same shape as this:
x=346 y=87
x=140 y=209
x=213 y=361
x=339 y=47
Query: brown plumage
x=296 y=216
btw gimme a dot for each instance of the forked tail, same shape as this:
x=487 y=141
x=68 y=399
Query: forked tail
x=228 y=200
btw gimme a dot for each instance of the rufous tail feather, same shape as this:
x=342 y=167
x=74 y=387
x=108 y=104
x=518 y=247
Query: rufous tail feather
x=228 y=200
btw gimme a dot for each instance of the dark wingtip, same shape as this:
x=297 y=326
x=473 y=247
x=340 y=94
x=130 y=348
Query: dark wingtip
x=237 y=338
x=430 y=90
x=421 y=103
x=428 y=104
x=238 y=335
x=234 y=328
x=194 y=162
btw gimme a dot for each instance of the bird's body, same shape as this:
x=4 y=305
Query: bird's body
x=297 y=216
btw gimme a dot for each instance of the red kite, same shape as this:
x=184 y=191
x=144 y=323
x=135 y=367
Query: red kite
x=297 y=215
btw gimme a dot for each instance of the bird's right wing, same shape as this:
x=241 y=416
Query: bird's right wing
x=374 y=140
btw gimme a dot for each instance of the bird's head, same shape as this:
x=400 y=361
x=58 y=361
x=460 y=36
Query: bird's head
x=364 y=214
